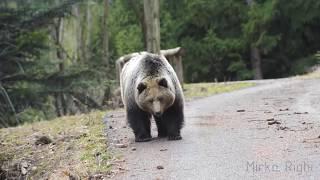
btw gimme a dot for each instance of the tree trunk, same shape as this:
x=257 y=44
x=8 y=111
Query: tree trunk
x=151 y=12
x=255 y=56
x=59 y=39
x=76 y=11
x=61 y=105
x=81 y=22
x=88 y=31
x=105 y=35
x=256 y=63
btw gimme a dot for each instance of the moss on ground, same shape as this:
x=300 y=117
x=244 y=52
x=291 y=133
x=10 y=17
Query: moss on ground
x=198 y=90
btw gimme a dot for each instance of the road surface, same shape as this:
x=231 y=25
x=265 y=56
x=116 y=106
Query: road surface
x=270 y=131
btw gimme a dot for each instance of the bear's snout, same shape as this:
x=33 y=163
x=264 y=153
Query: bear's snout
x=156 y=109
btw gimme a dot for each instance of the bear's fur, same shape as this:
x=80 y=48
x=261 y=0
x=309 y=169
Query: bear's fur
x=150 y=87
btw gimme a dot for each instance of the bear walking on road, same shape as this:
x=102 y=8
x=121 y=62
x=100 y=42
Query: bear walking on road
x=150 y=87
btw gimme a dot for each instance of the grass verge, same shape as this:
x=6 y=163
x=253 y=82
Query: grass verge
x=78 y=148
x=198 y=90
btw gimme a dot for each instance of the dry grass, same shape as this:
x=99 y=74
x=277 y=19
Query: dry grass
x=198 y=90
x=78 y=147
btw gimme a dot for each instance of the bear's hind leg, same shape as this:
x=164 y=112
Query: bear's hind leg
x=161 y=126
x=139 y=121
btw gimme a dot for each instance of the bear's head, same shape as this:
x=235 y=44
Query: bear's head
x=154 y=95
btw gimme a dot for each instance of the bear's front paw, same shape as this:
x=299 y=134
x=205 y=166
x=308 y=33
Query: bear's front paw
x=143 y=139
x=162 y=135
x=174 y=137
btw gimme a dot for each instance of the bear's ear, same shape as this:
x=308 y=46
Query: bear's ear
x=141 y=87
x=163 y=82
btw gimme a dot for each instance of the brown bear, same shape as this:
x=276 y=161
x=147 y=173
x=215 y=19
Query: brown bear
x=150 y=87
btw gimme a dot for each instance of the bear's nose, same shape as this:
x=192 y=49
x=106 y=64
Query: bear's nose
x=158 y=114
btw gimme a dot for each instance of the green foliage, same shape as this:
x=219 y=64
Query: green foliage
x=303 y=65
x=296 y=23
x=211 y=57
x=126 y=31
x=217 y=36
x=34 y=82
x=128 y=40
x=210 y=33
x=318 y=55
x=240 y=70
x=256 y=28
x=20 y=47
x=30 y=115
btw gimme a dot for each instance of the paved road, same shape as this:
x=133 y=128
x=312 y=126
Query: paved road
x=268 y=131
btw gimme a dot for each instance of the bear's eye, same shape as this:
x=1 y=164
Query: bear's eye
x=141 y=87
x=160 y=98
x=150 y=100
x=163 y=82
